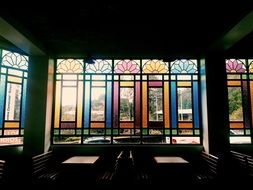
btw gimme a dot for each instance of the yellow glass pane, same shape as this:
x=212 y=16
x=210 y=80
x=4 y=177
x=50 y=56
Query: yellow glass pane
x=97 y=125
x=126 y=83
x=80 y=105
x=57 y=104
x=184 y=83
x=14 y=79
x=234 y=83
x=166 y=105
x=126 y=125
x=11 y=125
x=251 y=98
x=144 y=105
x=236 y=125
x=184 y=125
x=98 y=83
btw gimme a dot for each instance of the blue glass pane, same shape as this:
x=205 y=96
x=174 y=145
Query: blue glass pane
x=2 y=96
x=195 y=104
x=23 y=103
x=109 y=105
x=173 y=105
x=87 y=105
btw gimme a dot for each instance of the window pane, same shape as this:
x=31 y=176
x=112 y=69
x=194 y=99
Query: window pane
x=68 y=104
x=13 y=97
x=184 y=104
x=155 y=104
x=126 y=104
x=235 y=104
x=98 y=104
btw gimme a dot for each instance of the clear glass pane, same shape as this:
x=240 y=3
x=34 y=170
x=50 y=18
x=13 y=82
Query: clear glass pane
x=98 y=104
x=126 y=104
x=155 y=104
x=68 y=104
x=235 y=104
x=13 y=97
x=184 y=104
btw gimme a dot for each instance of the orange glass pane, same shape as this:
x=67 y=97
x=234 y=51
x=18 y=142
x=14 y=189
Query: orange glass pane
x=97 y=125
x=14 y=79
x=251 y=98
x=57 y=104
x=184 y=125
x=184 y=83
x=80 y=104
x=236 y=125
x=11 y=125
x=144 y=105
x=127 y=125
x=126 y=83
x=234 y=83
x=166 y=105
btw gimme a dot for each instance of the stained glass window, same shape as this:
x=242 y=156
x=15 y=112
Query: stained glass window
x=135 y=101
x=13 y=83
x=239 y=86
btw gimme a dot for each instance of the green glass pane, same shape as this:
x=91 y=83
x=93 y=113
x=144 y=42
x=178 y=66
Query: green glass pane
x=87 y=77
x=115 y=132
x=22 y=131
x=196 y=132
x=0 y=132
x=251 y=76
x=86 y=131
x=58 y=77
x=109 y=77
x=167 y=131
x=166 y=77
x=248 y=132
x=108 y=131
x=78 y=131
x=195 y=77
x=56 y=131
x=173 y=77
x=244 y=76
x=144 y=131
x=138 y=77
x=174 y=132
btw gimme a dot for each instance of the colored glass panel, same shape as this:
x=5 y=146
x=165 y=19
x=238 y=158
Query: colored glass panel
x=127 y=66
x=126 y=104
x=153 y=84
x=126 y=83
x=235 y=66
x=235 y=104
x=69 y=66
x=236 y=125
x=173 y=105
x=109 y=105
x=196 y=105
x=154 y=66
x=87 y=105
x=184 y=66
x=116 y=105
x=57 y=104
x=100 y=66
x=80 y=104
x=15 y=72
x=155 y=104
x=14 y=60
x=137 y=105
x=11 y=124
x=184 y=83
x=246 y=107
x=184 y=125
x=124 y=125
x=251 y=98
x=234 y=83
x=97 y=125
x=166 y=105
x=14 y=79
x=98 y=83
x=2 y=97
x=144 y=105
x=23 y=106
x=184 y=104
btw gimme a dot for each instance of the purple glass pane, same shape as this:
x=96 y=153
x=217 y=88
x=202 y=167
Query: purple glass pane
x=116 y=105
x=137 y=104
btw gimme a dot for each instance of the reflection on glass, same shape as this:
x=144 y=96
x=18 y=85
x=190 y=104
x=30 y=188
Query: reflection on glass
x=184 y=104
x=68 y=104
x=98 y=104
x=13 y=97
x=235 y=104
x=126 y=104
x=155 y=104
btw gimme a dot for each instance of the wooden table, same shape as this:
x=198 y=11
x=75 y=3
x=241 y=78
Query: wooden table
x=81 y=160
x=170 y=160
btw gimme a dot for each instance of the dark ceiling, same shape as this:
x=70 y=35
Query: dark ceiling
x=107 y=28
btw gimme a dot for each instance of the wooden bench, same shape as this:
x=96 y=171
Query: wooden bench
x=207 y=169
x=44 y=168
x=2 y=170
x=245 y=163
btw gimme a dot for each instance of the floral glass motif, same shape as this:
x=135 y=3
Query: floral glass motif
x=235 y=66
x=15 y=60
x=127 y=66
x=184 y=66
x=155 y=66
x=250 y=65
x=69 y=66
x=100 y=66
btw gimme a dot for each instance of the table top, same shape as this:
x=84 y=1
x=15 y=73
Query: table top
x=170 y=160
x=81 y=160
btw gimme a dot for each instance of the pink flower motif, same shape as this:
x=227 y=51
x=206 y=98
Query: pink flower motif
x=127 y=66
x=235 y=66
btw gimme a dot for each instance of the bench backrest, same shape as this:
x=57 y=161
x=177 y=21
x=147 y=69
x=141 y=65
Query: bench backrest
x=2 y=168
x=41 y=163
x=210 y=163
